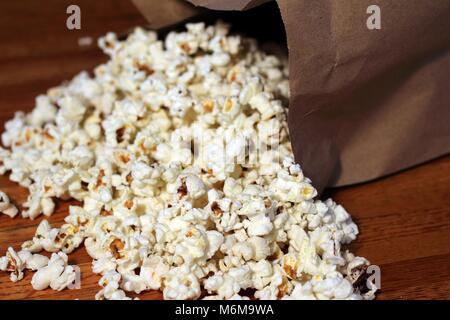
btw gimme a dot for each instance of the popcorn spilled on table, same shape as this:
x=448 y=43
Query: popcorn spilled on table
x=159 y=147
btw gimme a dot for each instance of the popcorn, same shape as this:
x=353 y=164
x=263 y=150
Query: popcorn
x=6 y=207
x=57 y=274
x=259 y=225
x=260 y=247
x=17 y=262
x=244 y=250
x=181 y=284
x=153 y=271
x=33 y=261
x=132 y=282
x=225 y=286
x=195 y=186
x=12 y=262
x=179 y=154
x=215 y=240
x=110 y=283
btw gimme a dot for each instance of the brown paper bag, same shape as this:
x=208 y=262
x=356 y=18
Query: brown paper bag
x=364 y=103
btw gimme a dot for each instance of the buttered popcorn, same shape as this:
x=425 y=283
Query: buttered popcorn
x=179 y=151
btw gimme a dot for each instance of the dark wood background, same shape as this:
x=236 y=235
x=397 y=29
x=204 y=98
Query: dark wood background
x=404 y=219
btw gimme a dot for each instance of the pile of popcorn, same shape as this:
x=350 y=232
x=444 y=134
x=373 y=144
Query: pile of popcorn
x=158 y=214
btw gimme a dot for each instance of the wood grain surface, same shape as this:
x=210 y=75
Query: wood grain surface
x=404 y=219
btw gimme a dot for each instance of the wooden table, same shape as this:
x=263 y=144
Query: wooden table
x=404 y=219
